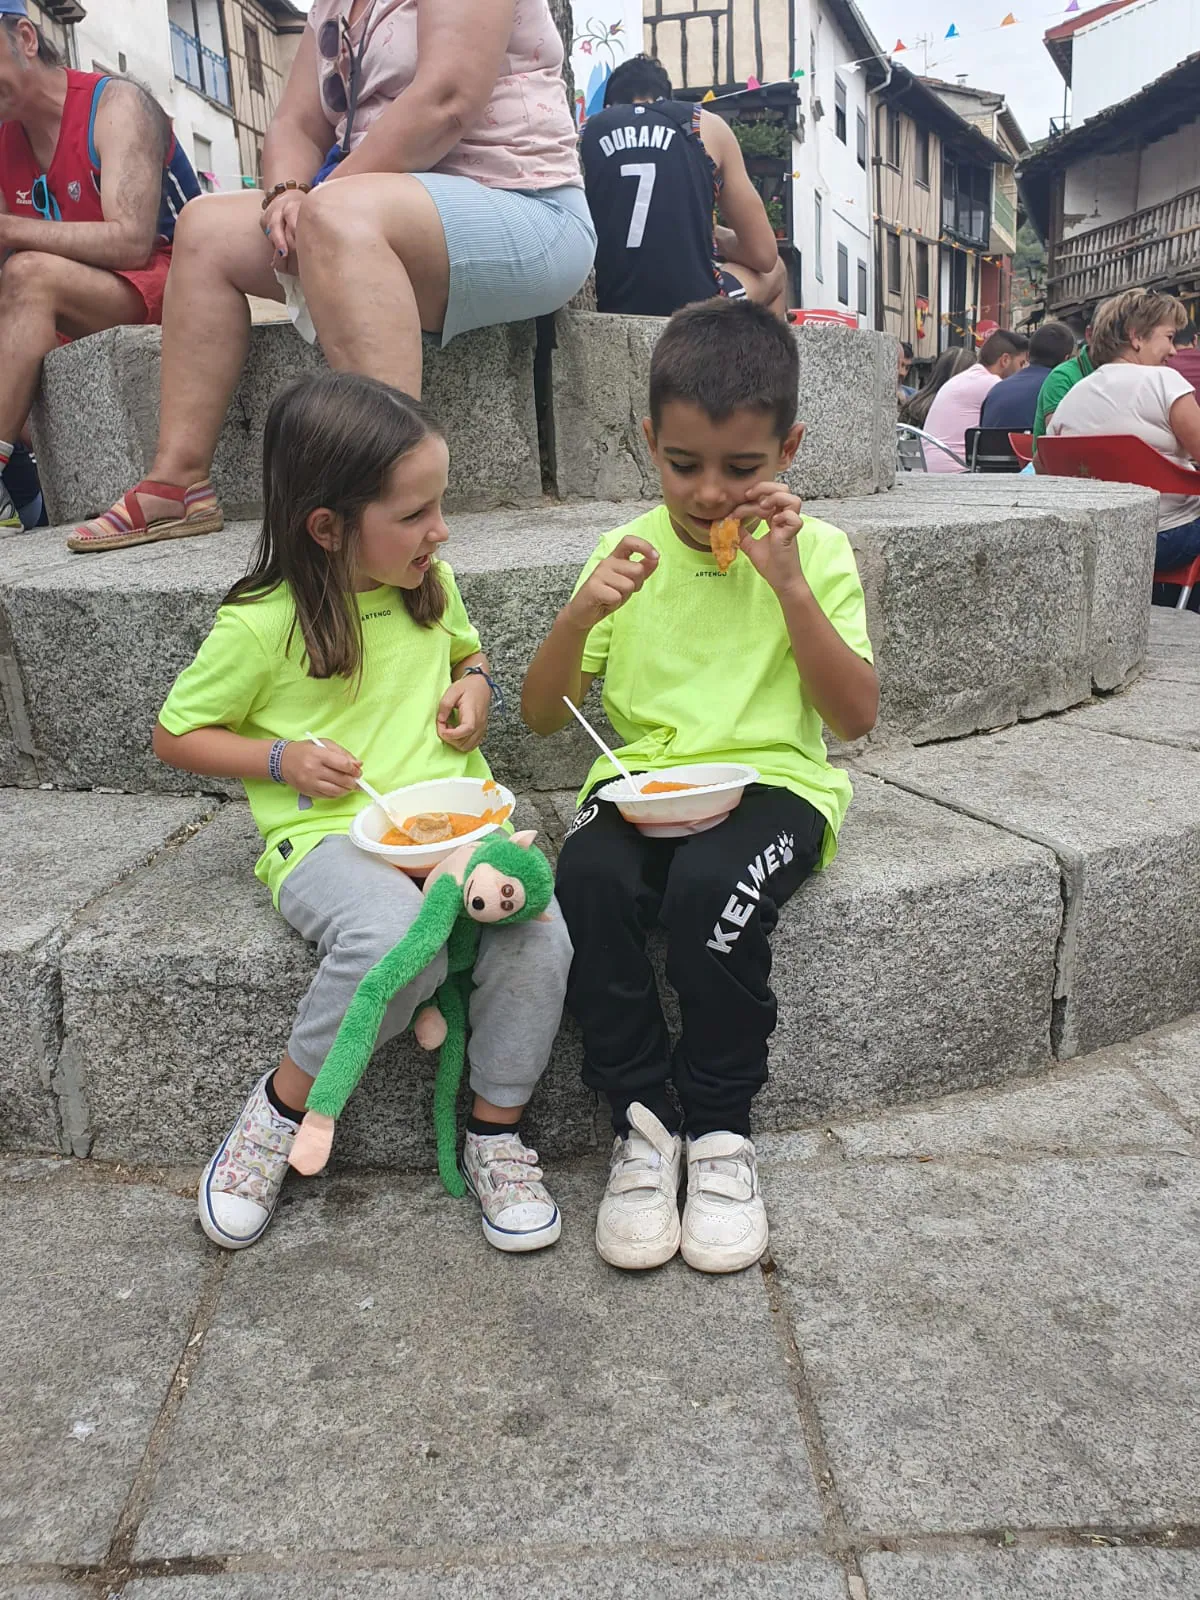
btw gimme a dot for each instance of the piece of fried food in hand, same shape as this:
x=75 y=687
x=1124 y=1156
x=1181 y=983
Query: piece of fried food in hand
x=429 y=827
x=725 y=540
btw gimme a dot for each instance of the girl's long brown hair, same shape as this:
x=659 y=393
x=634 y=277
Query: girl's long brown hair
x=330 y=442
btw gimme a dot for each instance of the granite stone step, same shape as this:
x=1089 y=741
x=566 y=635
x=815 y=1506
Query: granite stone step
x=985 y=605
x=163 y=995
x=96 y=419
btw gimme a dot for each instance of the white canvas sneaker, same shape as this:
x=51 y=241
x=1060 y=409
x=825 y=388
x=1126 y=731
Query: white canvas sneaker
x=242 y=1181
x=724 y=1220
x=638 y=1222
x=503 y=1175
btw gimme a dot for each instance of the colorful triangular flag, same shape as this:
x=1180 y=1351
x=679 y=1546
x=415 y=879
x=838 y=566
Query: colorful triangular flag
x=898 y=46
x=704 y=99
x=799 y=72
x=752 y=82
x=1009 y=22
x=1074 y=6
x=952 y=32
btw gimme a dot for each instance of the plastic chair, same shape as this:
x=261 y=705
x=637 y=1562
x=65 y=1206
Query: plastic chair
x=988 y=450
x=1122 y=458
x=1022 y=447
x=907 y=436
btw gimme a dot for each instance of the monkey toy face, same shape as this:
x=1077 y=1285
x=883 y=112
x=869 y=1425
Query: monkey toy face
x=490 y=897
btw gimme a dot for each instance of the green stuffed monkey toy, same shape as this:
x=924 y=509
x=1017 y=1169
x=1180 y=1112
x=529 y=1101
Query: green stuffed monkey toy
x=503 y=880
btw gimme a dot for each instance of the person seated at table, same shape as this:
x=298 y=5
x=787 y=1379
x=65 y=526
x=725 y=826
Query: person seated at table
x=904 y=361
x=957 y=405
x=451 y=199
x=1063 y=378
x=655 y=170
x=1012 y=404
x=948 y=365
x=1187 y=355
x=1134 y=391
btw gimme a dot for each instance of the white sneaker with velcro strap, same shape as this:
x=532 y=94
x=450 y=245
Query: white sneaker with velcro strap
x=724 y=1220
x=638 y=1222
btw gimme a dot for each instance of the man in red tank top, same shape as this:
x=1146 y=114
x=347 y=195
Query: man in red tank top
x=82 y=194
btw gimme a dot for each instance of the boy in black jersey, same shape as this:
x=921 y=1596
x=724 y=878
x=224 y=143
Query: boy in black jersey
x=654 y=169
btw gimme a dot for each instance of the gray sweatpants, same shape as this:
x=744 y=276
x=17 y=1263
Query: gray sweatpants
x=354 y=907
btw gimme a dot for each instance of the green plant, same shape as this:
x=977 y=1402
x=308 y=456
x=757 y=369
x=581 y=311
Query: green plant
x=775 y=214
x=763 y=138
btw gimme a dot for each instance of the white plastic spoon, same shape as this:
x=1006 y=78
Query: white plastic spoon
x=367 y=789
x=615 y=759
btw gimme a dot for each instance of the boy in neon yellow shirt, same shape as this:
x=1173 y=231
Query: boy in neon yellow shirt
x=702 y=666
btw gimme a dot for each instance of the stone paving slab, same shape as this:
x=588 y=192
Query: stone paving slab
x=61 y=852
x=1014 y=1346
x=1173 y=653
x=1124 y=823
x=179 y=990
x=1170 y=1059
x=614 y=1576
x=1074 y=1574
x=100 y=1288
x=1103 y=1108
x=409 y=1376
x=1154 y=711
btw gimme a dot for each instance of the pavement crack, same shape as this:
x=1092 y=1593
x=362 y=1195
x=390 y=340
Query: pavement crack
x=833 y=1513
x=117 y=1567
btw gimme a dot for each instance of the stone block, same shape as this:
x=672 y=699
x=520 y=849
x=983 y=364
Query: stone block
x=96 y=420
x=1011 y=1345
x=614 y=1575
x=1071 y=1112
x=601 y=373
x=179 y=990
x=983 y=604
x=1173 y=646
x=100 y=1289
x=1122 y=820
x=1155 y=710
x=1170 y=1060
x=371 y=1295
x=982 y=1574
x=874 y=1003
x=62 y=851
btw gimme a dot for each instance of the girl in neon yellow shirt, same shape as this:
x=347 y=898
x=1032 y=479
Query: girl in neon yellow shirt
x=349 y=624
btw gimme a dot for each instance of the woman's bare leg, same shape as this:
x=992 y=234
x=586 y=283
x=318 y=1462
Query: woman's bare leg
x=373 y=263
x=220 y=257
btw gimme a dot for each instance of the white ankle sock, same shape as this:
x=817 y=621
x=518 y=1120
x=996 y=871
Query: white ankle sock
x=6 y=451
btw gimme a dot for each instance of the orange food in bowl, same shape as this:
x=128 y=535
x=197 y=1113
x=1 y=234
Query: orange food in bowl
x=661 y=786
x=433 y=830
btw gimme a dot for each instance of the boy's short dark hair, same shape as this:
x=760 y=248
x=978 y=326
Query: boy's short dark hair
x=639 y=78
x=726 y=356
x=1051 y=345
x=1004 y=342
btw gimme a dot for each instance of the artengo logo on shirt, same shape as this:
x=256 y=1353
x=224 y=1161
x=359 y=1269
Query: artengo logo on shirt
x=737 y=913
x=643 y=138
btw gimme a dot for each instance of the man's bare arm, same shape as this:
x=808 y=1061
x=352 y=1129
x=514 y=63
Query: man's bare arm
x=131 y=140
x=749 y=237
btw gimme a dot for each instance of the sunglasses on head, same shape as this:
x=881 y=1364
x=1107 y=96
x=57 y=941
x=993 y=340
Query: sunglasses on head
x=44 y=202
x=332 y=41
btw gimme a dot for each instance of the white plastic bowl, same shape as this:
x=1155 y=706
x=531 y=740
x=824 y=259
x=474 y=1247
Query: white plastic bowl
x=719 y=789
x=439 y=794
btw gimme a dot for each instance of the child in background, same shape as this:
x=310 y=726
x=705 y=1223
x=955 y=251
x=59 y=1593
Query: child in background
x=702 y=666
x=349 y=625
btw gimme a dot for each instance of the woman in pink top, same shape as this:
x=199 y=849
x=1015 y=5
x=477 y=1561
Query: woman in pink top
x=420 y=174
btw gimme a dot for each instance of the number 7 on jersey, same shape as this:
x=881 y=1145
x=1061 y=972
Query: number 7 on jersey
x=645 y=172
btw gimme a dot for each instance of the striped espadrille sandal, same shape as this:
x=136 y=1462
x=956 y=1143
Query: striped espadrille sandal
x=125 y=524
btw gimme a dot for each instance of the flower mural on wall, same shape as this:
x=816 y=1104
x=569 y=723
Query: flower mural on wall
x=603 y=37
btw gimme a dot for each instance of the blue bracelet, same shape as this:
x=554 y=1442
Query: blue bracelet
x=497 y=692
x=275 y=761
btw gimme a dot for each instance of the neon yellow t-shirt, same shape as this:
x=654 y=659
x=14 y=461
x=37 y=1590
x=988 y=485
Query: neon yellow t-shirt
x=698 y=665
x=246 y=678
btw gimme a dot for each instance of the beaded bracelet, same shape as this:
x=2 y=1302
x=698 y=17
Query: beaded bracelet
x=275 y=761
x=282 y=188
x=497 y=692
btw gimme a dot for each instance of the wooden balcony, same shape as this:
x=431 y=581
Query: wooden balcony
x=1155 y=247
